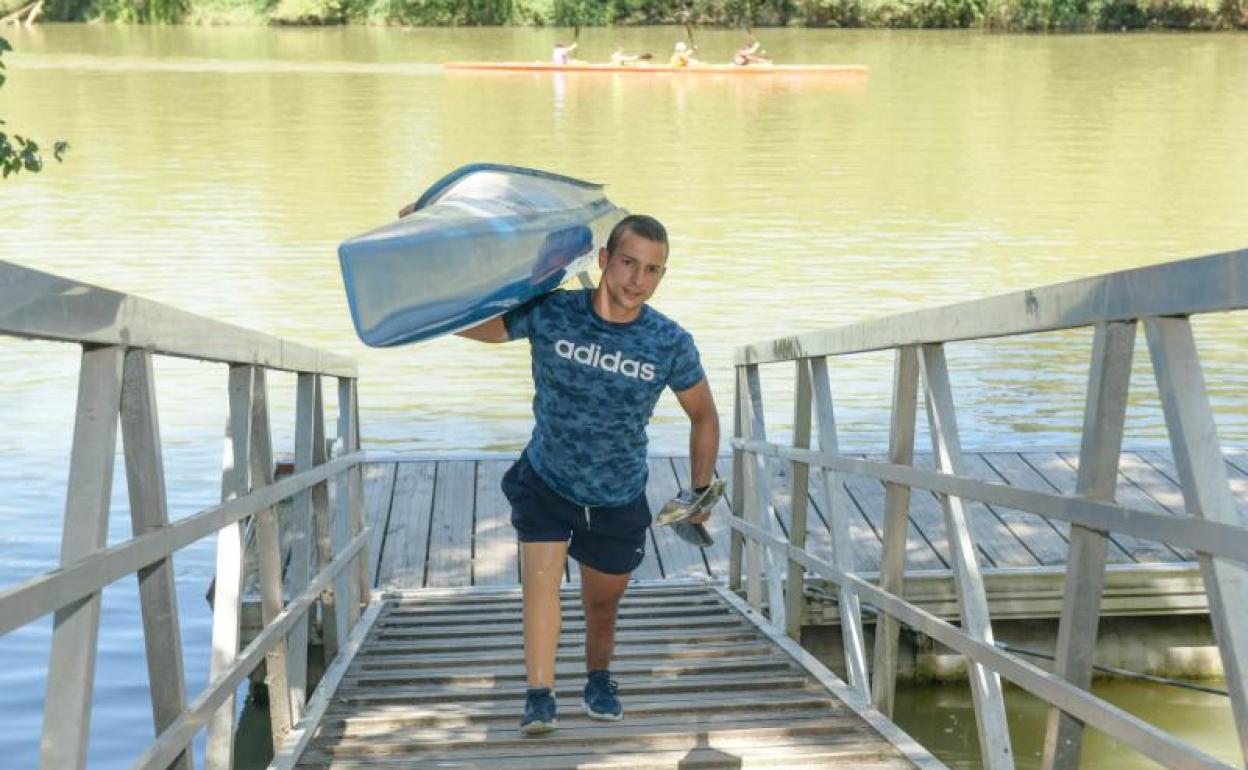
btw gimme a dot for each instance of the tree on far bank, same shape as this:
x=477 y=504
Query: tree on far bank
x=17 y=153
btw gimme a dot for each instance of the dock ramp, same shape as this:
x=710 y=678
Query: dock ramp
x=439 y=681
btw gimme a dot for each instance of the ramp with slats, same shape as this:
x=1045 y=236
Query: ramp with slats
x=439 y=683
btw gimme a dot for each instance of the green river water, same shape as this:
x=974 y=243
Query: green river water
x=217 y=170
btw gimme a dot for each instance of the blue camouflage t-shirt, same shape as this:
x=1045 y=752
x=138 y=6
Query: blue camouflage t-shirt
x=596 y=385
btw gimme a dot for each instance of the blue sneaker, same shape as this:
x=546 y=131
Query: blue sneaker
x=539 y=712
x=600 y=699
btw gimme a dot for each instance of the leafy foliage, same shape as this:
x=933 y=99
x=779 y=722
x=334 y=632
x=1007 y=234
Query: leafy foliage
x=17 y=153
x=1008 y=15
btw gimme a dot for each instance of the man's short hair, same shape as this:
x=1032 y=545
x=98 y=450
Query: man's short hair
x=638 y=224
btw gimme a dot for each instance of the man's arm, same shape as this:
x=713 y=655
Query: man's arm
x=699 y=404
x=493 y=330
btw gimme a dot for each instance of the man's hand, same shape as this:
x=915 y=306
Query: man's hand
x=692 y=505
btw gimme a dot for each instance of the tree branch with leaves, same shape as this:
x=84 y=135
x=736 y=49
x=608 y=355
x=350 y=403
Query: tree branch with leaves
x=18 y=153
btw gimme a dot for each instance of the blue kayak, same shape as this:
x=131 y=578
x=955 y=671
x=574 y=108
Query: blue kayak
x=480 y=241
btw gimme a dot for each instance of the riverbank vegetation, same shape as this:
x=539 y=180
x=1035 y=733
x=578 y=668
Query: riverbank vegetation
x=1000 y=15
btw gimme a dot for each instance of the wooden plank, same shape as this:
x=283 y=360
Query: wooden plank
x=227 y=584
x=378 y=491
x=1033 y=532
x=286 y=755
x=1139 y=473
x=1209 y=284
x=1018 y=472
x=340 y=721
x=269 y=551
x=990 y=719
x=736 y=481
x=1128 y=494
x=870 y=498
x=1163 y=462
x=995 y=545
x=350 y=498
x=450 y=530
x=898 y=518
x=469 y=659
x=75 y=627
x=849 y=609
x=864 y=543
x=495 y=553
x=1059 y=473
x=678 y=558
x=302 y=532
x=758 y=479
x=1140 y=735
x=333 y=615
x=149 y=510
x=1103 y=421
x=40 y=305
x=222 y=685
x=1206 y=493
x=403 y=557
x=799 y=500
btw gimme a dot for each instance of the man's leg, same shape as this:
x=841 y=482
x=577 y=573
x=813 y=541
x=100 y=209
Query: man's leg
x=542 y=568
x=600 y=595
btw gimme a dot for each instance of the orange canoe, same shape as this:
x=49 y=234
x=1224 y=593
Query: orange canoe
x=763 y=70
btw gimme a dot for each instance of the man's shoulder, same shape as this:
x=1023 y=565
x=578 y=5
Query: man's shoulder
x=660 y=320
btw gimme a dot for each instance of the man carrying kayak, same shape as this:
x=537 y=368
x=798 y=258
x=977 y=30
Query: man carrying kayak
x=601 y=359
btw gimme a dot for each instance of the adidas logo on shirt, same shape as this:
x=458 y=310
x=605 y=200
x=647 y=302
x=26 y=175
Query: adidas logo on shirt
x=592 y=355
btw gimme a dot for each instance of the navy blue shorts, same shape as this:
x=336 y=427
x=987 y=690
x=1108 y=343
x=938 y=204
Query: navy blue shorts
x=610 y=540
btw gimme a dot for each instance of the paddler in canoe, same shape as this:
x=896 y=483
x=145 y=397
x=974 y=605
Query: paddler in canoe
x=619 y=58
x=562 y=54
x=601 y=359
x=684 y=55
x=750 y=53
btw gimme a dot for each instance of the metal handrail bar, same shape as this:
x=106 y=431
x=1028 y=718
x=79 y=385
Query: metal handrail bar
x=177 y=736
x=1208 y=537
x=50 y=591
x=1113 y=721
x=1214 y=283
x=43 y=306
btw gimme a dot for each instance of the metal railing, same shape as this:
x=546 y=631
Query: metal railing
x=119 y=335
x=1161 y=298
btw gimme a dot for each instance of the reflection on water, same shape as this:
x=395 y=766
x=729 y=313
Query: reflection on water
x=943 y=719
x=218 y=169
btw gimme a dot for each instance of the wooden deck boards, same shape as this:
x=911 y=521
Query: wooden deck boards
x=738 y=700
x=446 y=523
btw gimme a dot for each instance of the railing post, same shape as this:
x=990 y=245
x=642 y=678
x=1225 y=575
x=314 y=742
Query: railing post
x=333 y=616
x=758 y=504
x=227 y=587
x=1105 y=411
x=896 y=525
x=149 y=510
x=848 y=606
x=350 y=496
x=75 y=628
x=301 y=524
x=736 y=542
x=994 y=731
x=1206 y=494
x=794 y=594
x=269 y=555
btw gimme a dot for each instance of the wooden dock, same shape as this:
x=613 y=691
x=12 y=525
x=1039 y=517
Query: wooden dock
x=439 y=683
x=444 y=523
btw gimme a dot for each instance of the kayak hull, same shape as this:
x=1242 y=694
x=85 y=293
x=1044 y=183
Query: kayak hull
x=851 y=71
x=481 y=241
